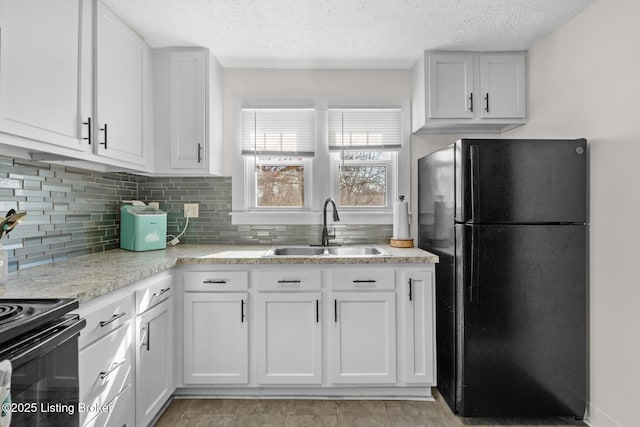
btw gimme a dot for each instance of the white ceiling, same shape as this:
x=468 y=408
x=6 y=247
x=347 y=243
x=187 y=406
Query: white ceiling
x=343 y=33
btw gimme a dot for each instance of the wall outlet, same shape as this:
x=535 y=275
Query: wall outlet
x=191 y=210
x=154 y=205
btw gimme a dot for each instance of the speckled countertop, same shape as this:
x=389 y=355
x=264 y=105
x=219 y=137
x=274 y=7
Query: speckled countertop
x=90 y=276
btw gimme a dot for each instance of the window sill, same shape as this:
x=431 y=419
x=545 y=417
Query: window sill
x=301 y=218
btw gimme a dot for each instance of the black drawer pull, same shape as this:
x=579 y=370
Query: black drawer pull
x=364 y=281
x=215 y=281
x=113 y=319
x=162 y=292
x=114 y=366
x=289 y=281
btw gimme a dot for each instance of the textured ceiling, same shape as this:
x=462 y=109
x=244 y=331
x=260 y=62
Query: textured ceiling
x=343 y=33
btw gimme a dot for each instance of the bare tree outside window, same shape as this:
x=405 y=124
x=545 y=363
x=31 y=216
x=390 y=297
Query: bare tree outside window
x=280 y=186
x=360 y=184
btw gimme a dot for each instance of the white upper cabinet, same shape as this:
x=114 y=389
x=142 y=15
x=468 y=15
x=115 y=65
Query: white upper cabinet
x=188 y=110
x=468 y=92
x=502 y=86
x=450 y=86
x=45 y=74
x=122 y=92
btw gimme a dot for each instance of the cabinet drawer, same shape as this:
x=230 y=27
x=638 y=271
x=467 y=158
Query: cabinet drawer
x=153 y=294
x=120 y=412
x=363 y=279
x=290 y=279
x=205 y=281
x=105 y=369
x=103 y=317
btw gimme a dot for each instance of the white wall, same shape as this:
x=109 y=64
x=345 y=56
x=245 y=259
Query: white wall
x=584 y=81
x=292 y=84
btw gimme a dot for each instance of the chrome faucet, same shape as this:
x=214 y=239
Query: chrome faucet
x=325 y=233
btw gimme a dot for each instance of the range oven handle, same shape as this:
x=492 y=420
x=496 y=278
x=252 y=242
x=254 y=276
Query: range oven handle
x=46 y=340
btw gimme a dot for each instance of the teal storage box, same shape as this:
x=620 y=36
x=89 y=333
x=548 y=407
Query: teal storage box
x=142 y=228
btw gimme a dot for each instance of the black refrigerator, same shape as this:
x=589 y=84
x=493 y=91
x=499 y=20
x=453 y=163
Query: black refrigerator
x=508 y=219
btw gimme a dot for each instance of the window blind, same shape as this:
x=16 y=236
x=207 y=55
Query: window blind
x=365 y=129
x=278 y=131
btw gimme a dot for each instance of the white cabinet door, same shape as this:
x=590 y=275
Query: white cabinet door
x=216 y=338
x=120 y=77
x=188 y=112
x=289 y=338
x=450 y=86
x=45 y=71
x=417 y=327
x=188 y=109
x=363 y=338
x=502 y=86
x=154 y=362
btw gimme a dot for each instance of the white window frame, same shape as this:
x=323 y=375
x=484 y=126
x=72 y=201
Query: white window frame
x=317 y=186
x=250 y=165
x=392 y=189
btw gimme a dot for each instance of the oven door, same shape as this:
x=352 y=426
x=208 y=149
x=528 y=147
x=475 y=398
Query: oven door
x=44 y=382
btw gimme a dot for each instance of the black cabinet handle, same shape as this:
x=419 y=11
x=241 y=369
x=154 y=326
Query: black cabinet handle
x=410 y=290
x=486 y=102
x=88 y=123
x=335 y=310
x=289 y=281
x=317 y=311
x=148 y=336
x=364 y=281
x=114 y=366
x=199 y=153
x=113 y=318
x=471 y=102
x=162 y=292
x=242 y=311
x=105 y=136
x=215 y=282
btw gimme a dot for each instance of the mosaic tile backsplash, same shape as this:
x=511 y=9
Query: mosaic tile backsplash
x=73 y=212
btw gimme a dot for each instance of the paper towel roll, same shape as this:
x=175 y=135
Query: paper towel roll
x=401 y=219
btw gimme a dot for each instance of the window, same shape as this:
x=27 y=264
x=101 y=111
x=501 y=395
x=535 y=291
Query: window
x=276 y=142
x=363 y=140
x=362 y=179
x=291 y=159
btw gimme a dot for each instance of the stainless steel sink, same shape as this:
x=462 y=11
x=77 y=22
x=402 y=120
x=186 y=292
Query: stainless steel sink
x=297 y=251
x=316 y=251
x=354 y=250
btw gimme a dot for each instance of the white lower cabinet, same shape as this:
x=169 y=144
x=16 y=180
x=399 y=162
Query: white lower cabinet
x=154 y=350
x=363 y=338
x=330 y=330
x=106 y=362
x=289 y=338
x=121 y=412
x=216 y=337
x=418 y=326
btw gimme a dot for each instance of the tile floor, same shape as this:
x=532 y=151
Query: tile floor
x=326 y=413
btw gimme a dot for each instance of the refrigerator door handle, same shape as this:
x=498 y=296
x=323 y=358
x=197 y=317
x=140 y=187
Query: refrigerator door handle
x=474 y=282
x=474 y=158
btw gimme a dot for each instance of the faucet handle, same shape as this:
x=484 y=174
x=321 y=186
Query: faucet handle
x=331 y=233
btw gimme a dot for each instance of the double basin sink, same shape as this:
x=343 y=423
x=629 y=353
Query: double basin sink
x=312 y=251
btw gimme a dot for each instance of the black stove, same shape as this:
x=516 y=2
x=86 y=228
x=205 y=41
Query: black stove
x=39 y=337
x=21 y=315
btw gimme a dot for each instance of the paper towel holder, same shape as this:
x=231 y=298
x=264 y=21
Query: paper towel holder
x=400 y=243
